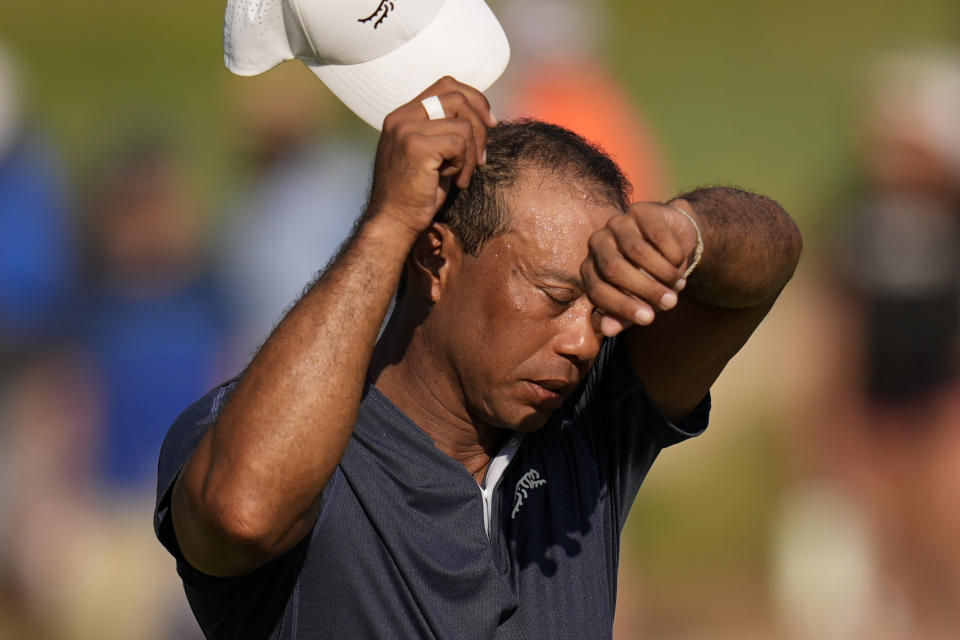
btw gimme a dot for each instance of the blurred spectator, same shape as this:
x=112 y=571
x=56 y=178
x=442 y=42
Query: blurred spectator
x=902 y=251
x=37 y=285
x=155 y=321
x=86 y=420
x=37 y=260
x=555 y=75
x=302 y=189
x=49 y=417
x=888 y=442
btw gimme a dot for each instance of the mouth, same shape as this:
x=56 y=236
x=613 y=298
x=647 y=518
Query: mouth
x=550 y=393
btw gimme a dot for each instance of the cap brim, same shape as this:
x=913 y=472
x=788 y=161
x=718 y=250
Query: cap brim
x=464 y=40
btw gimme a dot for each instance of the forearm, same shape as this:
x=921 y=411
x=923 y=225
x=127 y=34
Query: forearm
x=252 y=486
x=751 y=247
x=679 y=344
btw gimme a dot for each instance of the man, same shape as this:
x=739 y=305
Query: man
x=467 y=475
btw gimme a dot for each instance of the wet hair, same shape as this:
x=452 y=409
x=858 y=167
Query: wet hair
x=479 y=213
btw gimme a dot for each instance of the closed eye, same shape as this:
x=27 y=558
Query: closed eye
x=560 y=296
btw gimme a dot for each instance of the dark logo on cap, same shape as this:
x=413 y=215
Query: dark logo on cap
x=383 y=10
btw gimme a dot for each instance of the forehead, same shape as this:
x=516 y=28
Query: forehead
x=552 y=217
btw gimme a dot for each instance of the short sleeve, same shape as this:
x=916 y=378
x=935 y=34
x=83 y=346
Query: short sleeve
x=180 y=441
x=251 y=605
x=625 y=429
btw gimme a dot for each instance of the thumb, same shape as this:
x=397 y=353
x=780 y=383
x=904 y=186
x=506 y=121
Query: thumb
x=443 y=190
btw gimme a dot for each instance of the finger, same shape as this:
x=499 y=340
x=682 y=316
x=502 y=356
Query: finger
x=461 y=100
x=465 y=163
x=477 y=100
x=611 y=326
x=443 y=188
x=615 y=269
x=465 y=129
x=444 y=153
x=651 y=219
x=614 y=301
x=634 y=246
x=457 y=105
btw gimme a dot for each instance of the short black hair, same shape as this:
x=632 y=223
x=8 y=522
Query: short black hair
x=478 y=213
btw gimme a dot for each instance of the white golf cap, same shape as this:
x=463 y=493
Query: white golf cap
x=375 y=55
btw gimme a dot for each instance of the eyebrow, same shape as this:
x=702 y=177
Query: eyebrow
x=561 y=276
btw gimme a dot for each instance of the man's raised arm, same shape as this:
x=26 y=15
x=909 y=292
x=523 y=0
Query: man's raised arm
x=683 y=331
x=250 y=490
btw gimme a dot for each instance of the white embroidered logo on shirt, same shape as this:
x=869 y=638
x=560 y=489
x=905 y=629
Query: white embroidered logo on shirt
x=530 y=480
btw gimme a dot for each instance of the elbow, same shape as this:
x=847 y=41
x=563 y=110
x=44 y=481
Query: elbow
x=229 y=519
x=777 y=250
x=756 y=242
x=222 y=531
x=760 y=278
x=227 y=537
x=246 y=525
x=781 y=259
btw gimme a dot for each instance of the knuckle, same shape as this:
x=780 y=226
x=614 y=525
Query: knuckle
x=655 y=230
x=455 y=99
x=391 y=121
x=664 y=240
x=598 y=293
x=403 y=128
x=598 y=240
x=463 y=127
x=413 y=143
x=609 y=268
x=636 y=212
x=671 y=250
x=634 y=246
x=620 y=222
x=645 y=208
x=592 y=250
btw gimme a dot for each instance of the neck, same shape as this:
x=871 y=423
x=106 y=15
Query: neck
x=411 y=374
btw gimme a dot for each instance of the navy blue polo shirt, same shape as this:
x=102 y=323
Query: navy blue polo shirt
x=400 y=551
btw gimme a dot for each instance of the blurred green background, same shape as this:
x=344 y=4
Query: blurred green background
x=759 y=94
x=764 y=95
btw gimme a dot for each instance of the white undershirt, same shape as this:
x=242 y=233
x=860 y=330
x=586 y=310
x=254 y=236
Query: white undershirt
x=494 y=473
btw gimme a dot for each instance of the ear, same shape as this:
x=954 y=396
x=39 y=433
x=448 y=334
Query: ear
x=435 y=257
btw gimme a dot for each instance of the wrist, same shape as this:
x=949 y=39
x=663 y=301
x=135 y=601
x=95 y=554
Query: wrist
x=389 y=226
x=687 y=211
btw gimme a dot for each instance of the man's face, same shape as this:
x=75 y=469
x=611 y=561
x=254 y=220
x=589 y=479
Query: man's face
x=514 y=320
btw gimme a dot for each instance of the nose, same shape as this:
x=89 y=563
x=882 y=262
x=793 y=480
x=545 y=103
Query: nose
x=578 y=337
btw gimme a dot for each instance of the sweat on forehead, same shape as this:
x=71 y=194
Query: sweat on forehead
x=515 y=150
